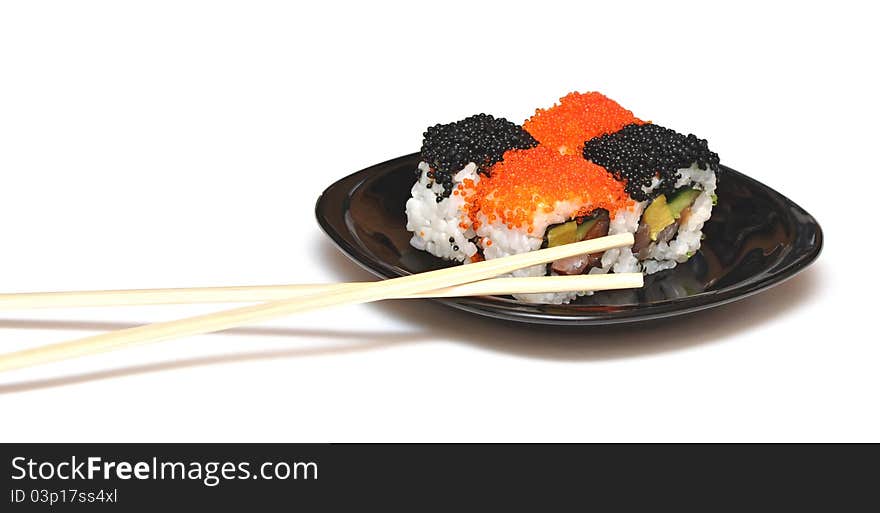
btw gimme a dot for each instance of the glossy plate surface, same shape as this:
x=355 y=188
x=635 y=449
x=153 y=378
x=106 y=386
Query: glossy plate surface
x=755 y=239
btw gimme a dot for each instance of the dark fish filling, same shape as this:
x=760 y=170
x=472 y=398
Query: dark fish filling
x=662 y=218
x=579 y=229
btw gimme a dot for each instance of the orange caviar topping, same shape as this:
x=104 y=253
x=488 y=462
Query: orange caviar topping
x=578 y=118
x=528 y=180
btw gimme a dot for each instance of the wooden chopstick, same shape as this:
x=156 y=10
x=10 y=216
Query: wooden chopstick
x=348 y=294
x=263 y=293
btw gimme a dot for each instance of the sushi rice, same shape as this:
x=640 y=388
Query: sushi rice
x=664 y=255
x=444 y=221
x=434 y=224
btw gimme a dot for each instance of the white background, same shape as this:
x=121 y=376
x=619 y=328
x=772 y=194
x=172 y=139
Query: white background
x=160 y=144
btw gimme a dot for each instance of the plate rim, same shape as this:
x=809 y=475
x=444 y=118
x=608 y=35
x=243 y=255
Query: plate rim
x=490 y=307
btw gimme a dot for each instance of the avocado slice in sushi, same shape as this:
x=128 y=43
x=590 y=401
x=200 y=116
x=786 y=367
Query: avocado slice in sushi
x=682 y=200
x=596 y=226
x=564 y=233
x=658 y=216
x=567 y=233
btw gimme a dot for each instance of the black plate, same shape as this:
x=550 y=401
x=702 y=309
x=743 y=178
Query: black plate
x=756 y=238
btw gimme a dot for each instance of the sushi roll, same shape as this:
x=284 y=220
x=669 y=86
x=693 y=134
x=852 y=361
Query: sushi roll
x=672 y=178
x=454 y=156
x=583 y=168
x=673 y=172
x=542 y=198
x=515 y=201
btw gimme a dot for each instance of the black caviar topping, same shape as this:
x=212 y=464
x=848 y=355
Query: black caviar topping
x=638 y=153
x=481 y=139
